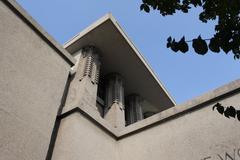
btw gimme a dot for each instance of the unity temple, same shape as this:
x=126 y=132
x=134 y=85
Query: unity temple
x=96 y=98
x=119 y=87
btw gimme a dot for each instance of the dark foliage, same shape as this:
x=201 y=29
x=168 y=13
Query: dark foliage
x=225 y=12
x=228 y=112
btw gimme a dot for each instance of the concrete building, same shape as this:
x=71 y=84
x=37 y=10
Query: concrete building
x=96 y=98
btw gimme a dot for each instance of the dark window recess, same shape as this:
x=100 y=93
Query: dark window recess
x=101 y=98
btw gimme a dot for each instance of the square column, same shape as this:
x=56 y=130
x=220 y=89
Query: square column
x=83 y=88
x=114 y=111
x=133 y=111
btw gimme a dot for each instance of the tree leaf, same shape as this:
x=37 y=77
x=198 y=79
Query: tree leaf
x=174 y=46
x=236 y=56
x=183 y=46
x=146 y=8
x=216 y=105
x=169 y=39
x=214 y=45
x=142 y=7
x=226 y=47
x=169 y=44
x=200 y=46
x=219 y=107
x=230 y=112
x=238 y=115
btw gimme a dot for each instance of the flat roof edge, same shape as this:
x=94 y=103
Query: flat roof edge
x=17 y=9
x=140 y=56
x=110 y=17
x=178 y=110
x=87 y=30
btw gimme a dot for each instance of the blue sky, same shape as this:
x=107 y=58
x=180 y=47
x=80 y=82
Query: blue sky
x=185 y=76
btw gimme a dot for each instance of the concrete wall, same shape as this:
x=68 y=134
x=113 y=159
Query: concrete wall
x=199 y=135
x=185 y=132
x=79 y=138
x=32 y=80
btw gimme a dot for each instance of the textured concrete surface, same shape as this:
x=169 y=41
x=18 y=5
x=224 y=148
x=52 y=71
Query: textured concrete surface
x=200 y=101
x=84 y=84
x=32 y=80
x=15 y=7
x=201 y=134
x=193 y=131
x=79 y=138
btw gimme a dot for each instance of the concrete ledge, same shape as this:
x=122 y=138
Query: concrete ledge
x=21 y=13
x=93 y=117
x=178 y=110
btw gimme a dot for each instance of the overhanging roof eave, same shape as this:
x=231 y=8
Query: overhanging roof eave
x=104 y=19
